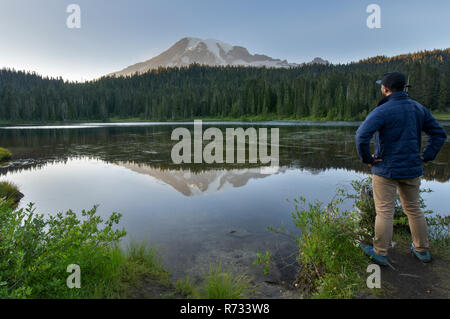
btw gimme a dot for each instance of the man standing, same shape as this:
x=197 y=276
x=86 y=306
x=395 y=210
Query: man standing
x=397 y=124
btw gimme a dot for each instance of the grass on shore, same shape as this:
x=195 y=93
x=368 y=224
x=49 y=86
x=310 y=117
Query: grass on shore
x=257 y=118
x=5 y=155
x=243 y=118
x=10 y=192
x=217 y=284
x=442 y=116
x=131 y=268
x=267 y=118
x=248 y=118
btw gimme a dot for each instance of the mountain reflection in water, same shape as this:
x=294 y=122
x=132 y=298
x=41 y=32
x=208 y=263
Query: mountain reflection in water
x=206 y=182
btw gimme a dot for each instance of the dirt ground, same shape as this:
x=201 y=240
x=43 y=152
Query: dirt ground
x=411 y=279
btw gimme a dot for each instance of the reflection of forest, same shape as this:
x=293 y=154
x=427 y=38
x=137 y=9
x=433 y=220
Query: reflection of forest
x=313 y=148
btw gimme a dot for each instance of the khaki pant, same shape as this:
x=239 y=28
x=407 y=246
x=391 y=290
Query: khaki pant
x=384 y=193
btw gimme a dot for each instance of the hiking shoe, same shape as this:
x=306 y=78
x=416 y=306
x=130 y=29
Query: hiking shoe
x=380 y=260
x=424 y=257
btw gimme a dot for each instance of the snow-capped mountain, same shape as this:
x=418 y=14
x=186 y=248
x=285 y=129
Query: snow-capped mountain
x=206 y=52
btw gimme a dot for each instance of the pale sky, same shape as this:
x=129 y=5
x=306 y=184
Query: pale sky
x=117 y=33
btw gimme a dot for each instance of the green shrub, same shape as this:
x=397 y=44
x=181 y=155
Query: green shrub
x=439 y=231
x=35 y=252
x=265 y=260
x=331 y=262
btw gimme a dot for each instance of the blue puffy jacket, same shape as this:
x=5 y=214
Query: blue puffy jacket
x=397 y=124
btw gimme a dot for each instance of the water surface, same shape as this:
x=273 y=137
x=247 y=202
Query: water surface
x=195 y=213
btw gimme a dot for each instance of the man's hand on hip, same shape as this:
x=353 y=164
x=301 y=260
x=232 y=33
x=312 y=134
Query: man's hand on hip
x=375 y=160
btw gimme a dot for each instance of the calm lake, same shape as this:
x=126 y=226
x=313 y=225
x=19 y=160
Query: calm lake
x=196 y=214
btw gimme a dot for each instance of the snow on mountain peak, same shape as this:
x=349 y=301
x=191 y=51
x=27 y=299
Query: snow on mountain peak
x=210 y=52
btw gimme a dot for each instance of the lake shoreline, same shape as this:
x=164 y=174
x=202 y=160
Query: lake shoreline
x=440 y=117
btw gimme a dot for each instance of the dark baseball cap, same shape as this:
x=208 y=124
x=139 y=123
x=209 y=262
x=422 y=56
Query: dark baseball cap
x=394 y=80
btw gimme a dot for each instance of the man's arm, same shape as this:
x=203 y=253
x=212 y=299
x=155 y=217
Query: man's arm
x=365 y=133
x=436 y=137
